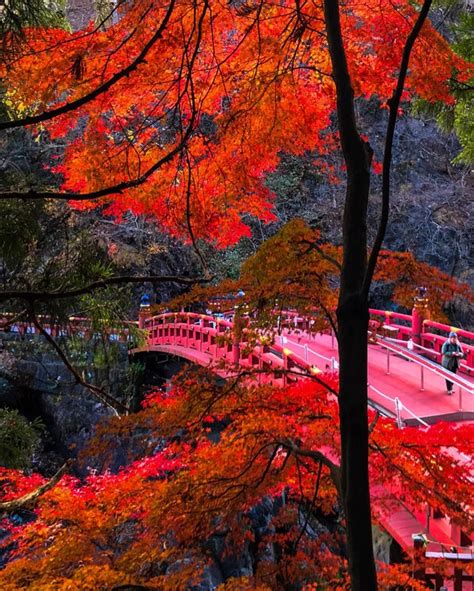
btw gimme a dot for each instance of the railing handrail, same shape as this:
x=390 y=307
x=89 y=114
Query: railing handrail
x=398 y=402
x=440 y=326
x=383 y=341
x=429 y=365
x=389 y=314
x=428 y=350
x=195 y=315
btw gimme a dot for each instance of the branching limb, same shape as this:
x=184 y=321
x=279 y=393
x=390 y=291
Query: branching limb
x=35 y=296
x=327 y=257
x=27 y=501
x=311 y=505
x=188 y=217
x=317 y=456
x=113 y=189
x=103 y=396
x=374 y=422
x=393 y=103
x=73 y=105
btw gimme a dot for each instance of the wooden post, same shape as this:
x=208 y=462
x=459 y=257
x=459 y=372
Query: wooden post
x=142 y=316
x=419 y=313
x=237 y=335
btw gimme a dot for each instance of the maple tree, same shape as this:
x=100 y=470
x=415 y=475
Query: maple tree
x=297 y=269
x=234 y=97
x=165 y=518
x=179 y=109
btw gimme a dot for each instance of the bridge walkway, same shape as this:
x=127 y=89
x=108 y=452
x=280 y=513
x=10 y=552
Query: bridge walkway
x=421 y=391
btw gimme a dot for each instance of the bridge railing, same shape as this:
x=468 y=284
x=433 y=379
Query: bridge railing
x=201 y=332
x=400 y=326
x=205 y=333
x=398 y=408
x=392 y=346
x=399 y=346
x=74 y=326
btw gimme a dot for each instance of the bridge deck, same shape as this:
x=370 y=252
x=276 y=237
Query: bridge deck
x=421 y=392
x=404 y=381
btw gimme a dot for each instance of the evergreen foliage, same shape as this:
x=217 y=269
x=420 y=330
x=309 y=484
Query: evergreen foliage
x=18 y=439
x=457 y=116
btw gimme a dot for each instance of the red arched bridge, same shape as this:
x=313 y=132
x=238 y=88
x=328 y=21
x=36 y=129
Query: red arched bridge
x=406 y=380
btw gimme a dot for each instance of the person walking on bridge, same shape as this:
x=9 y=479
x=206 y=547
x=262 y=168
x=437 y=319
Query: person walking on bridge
x=452 y=352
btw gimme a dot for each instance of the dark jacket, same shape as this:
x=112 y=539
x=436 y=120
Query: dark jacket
x=448 y=349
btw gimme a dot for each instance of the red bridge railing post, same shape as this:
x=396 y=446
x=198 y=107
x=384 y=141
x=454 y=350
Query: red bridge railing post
x=419 y=314
x=237 y=334
x=143 y=314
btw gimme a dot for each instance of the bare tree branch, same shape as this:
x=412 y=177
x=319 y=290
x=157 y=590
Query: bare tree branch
x=327 y=257
x=393 y=103
x=35 y=296
x=27 y=501
x=113 y=189
x=103 y=396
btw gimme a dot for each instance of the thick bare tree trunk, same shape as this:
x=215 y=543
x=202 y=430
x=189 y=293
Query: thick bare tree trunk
x=356 y=277
x=352 y=315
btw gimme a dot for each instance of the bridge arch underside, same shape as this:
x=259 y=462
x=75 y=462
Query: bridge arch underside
x=195 y=357
x=162 y=362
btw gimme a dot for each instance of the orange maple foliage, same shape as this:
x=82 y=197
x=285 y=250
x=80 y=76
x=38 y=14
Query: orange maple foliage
x=225 y=451
x=223 y=89
x=296 y=269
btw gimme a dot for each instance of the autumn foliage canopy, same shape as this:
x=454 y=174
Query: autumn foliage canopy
x=211 y=457
x=193 y=100
x=297 y=269
x=177 y=111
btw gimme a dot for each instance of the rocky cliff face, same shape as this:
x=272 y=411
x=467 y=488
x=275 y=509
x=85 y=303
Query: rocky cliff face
x=35 y=381
x=80 y=12
x=432 y=199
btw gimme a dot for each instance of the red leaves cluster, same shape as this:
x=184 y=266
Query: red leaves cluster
x=229 y=449
x=219 y=95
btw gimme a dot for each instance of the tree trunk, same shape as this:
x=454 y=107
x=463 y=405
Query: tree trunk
x=352 y=315
x=353 y=321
